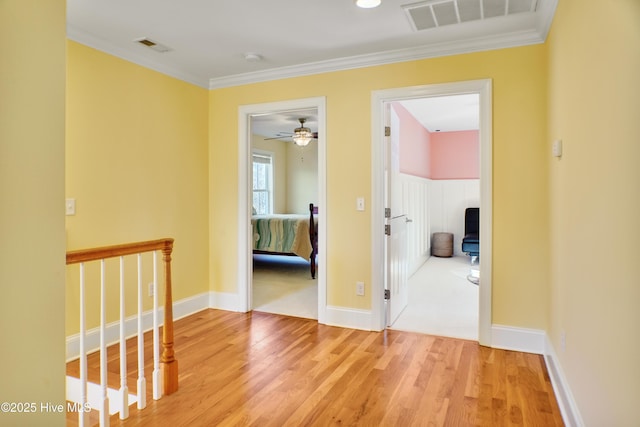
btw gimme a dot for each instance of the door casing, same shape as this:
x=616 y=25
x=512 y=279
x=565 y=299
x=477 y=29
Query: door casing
x=484 y=89
x=245 y=266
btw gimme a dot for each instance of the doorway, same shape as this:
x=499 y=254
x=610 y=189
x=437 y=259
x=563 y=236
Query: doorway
x=482 y=88
x=276 y=116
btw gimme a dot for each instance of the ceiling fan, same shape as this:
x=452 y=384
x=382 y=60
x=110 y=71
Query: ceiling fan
x=301 y=135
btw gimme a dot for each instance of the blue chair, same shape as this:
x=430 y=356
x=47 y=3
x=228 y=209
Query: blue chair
x=471 y=239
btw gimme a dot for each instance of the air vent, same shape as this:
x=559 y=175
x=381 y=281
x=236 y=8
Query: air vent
x=153 y=45
x=437 y=13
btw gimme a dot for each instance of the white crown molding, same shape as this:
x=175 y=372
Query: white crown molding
x=543 y=19
x=545 y=13
x=478 y=44
x=86 y=39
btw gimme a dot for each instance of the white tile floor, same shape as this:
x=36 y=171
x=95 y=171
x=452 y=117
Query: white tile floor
x=441 y=300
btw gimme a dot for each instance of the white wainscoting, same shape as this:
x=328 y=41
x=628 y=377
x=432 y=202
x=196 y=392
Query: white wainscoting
x=435 y=206
x=448 y=200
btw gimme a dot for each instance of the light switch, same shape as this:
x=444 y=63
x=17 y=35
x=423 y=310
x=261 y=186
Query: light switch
x=70 y=206
x=360 y=203
x=557 y=148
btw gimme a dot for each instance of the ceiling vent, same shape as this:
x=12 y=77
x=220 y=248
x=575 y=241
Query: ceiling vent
x=437 y=13
x=153 y=45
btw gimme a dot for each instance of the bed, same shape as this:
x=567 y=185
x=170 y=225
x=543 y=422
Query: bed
x=287 y=234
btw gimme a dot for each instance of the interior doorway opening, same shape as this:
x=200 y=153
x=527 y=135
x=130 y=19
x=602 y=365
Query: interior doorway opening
x=435 y=182
x=482 y=89
x=284 y=187
x=284 y=183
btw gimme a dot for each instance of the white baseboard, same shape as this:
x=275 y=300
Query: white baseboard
x=348 y=318
x=224 y=301
x=518 y=339
x=181 y=309
x=537 y=341
x=570 y=413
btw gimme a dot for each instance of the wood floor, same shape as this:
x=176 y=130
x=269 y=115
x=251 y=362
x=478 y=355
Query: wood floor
x=260 y=369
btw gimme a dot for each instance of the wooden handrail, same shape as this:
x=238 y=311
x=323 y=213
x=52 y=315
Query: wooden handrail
x=169 y=363
x=95 y=254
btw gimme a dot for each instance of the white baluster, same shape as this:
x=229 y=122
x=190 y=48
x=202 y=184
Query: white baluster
x=142 y=383
x=124 y=390
x=157 y=377
x=104 y=401
x=83 y=417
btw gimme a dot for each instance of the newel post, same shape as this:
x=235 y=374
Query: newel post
x=169 y=363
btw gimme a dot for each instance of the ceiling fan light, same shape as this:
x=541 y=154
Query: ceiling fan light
x=368 y=4
x=302 y=136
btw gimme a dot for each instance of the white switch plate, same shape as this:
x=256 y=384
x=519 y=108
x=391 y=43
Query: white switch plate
x=557 y=148
x=360 y=203
x=360 y=288
x=70 y=206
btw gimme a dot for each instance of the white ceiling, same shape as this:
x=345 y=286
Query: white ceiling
x=280 y=125
x=446 y=113
x=437 y=114
x=208 y=39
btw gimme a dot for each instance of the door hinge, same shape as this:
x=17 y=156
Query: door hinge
x=387 y=212
x=387 y=131
x=387 y=294
x=387 y=229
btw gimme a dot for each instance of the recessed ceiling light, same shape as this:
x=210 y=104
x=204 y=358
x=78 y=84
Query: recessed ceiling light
x=368 y=4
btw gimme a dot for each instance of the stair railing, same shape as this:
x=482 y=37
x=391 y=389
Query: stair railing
x=166 y=383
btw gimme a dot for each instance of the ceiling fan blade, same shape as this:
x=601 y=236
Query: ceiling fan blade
x=314 y=136
x=281 y=135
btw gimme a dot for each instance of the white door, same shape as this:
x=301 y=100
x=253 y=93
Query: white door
x=397 y=261
x=397 y=268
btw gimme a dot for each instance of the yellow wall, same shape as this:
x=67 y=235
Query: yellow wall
x=594 y=107
x=32 y=73
x=136 y=152
x=520 y=270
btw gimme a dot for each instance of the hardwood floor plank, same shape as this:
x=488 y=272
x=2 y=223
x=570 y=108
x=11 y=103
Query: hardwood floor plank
x=260 y=369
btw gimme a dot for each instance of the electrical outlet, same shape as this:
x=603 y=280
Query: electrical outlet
x=360 y=288
x=151 y=289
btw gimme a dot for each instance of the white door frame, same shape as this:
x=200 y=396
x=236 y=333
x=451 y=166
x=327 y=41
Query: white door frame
x=245 y=265
x=484 y=89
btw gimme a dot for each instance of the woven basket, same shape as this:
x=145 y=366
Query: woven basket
x=442 y=244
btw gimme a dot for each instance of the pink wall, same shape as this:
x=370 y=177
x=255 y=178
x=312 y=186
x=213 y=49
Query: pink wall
x=455 y=155
x=437 y=155
x=415 y=144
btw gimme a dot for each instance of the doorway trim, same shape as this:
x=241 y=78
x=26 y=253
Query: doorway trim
x=484 y=89
x=245 y=266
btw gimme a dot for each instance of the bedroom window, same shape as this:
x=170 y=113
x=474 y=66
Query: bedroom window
x=262 y=183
